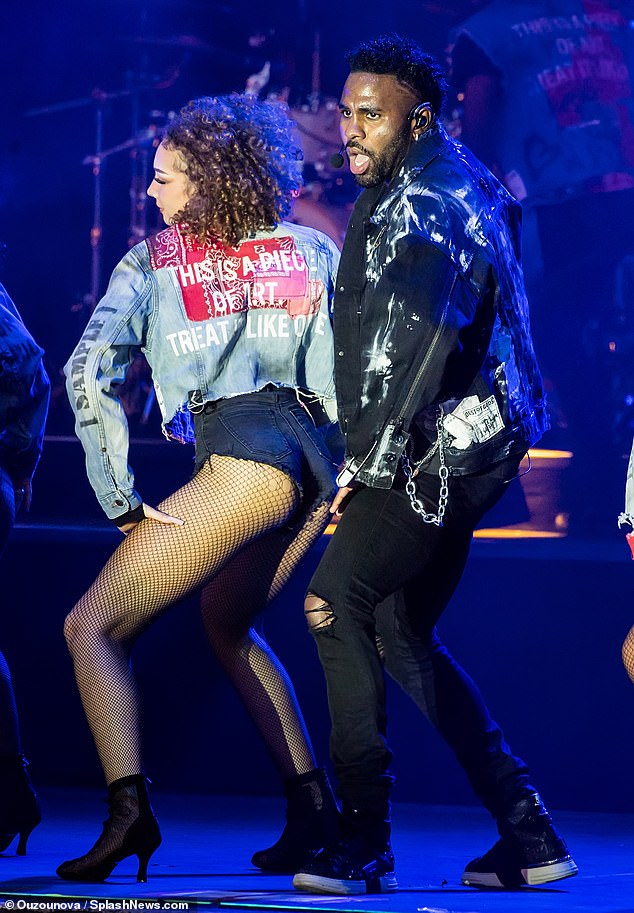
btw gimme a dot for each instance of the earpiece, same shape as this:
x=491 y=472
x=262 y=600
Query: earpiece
x=421 y=116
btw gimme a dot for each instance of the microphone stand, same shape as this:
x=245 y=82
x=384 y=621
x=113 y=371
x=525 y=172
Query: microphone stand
x=99 y=99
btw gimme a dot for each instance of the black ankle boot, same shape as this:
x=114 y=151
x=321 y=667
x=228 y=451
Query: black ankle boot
x=130 y=830
x=311 y=822
x=19 y=808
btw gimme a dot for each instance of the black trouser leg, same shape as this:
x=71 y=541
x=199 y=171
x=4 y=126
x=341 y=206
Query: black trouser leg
x=380 y=548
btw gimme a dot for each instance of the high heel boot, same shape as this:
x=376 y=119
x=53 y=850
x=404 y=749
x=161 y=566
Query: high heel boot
x=311 y=822
x=129 y=830
x=19 y=808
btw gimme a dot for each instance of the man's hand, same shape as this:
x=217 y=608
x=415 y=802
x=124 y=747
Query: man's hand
x=151 y=513
x=342 y=498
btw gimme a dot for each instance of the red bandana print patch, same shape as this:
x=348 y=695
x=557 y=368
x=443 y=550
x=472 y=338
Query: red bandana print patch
x=217 y=281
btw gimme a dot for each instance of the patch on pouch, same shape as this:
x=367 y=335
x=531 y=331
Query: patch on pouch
x=473 y=422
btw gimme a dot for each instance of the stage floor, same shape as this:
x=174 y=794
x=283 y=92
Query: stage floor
x=203 y=862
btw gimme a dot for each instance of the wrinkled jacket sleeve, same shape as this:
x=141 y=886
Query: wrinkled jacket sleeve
x=434 y=309
x=95 y=371
x=423 y=275
x=24 y=394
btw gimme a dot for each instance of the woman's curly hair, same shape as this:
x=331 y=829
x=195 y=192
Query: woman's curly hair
x=240 y=157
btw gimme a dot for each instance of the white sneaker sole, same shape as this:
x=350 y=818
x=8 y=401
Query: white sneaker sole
x=541 y=874
x=318 y=884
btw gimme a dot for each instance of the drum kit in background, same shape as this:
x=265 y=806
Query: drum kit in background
x=140 y=148
x=324 y=203
x=328 y=194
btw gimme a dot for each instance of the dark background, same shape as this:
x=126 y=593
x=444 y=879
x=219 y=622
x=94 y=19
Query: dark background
x=58 y=60
x=548 y=662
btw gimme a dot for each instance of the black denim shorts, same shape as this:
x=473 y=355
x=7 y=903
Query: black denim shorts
x=272 y=427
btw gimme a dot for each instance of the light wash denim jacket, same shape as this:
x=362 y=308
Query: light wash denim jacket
x=213 y=322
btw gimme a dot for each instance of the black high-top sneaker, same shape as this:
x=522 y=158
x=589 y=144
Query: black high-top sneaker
x=529 y=851
x=359 y=862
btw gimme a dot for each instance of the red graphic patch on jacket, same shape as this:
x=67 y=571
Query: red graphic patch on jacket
x=217 y=281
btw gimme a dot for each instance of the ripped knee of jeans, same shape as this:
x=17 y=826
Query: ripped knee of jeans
x=320 y=615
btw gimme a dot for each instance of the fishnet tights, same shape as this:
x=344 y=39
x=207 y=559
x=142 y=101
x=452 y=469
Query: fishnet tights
x=229 y=604
x=627 y=652
x=229 y=506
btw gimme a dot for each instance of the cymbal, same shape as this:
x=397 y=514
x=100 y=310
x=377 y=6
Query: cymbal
x=147 y=137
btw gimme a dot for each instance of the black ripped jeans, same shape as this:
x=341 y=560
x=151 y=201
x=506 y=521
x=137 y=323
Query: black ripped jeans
x=387 y=577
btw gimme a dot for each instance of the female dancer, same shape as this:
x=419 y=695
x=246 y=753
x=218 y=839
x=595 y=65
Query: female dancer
x=231 y=307
x=24 y=395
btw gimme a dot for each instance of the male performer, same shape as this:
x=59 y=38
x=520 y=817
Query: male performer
x=439 y=398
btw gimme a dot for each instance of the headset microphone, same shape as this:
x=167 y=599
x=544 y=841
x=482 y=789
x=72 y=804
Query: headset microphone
x=337 y=160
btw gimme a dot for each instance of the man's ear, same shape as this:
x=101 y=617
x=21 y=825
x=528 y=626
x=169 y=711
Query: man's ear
x=421 y=118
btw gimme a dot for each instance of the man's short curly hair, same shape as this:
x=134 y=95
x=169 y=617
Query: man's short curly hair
x=240 y=157
x=392 y=55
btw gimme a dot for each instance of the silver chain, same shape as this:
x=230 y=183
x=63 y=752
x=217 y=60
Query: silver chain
x=443 y=473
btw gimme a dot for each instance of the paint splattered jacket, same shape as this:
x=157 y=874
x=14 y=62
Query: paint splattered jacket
x=432 y=334
x=24 y=394
x=213 y=322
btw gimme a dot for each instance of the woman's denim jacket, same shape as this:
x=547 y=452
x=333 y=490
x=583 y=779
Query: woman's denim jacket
x=436 y=348
x=213 y=322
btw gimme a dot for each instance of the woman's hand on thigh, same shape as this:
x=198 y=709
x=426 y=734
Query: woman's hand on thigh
x=152 y=513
